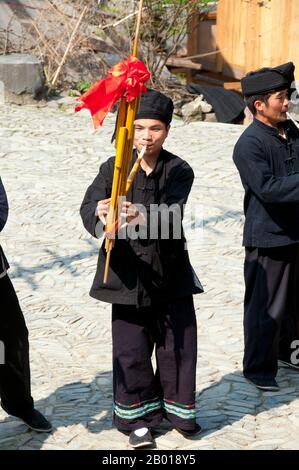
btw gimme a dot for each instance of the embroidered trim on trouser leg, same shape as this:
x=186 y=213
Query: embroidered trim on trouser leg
x=136 y=410
x=180 y=410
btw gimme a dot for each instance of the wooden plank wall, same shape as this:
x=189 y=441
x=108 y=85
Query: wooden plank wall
x=252 y=34
x=202 y=39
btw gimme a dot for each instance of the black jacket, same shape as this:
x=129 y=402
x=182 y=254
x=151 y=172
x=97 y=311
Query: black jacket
x=269 y=169
x=3 y=218
x=145 y=270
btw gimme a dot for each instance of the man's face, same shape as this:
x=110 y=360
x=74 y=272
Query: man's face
x=275 y=110
x=150 y=133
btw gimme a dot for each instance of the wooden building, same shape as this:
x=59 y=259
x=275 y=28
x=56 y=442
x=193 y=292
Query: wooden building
x=245 y=35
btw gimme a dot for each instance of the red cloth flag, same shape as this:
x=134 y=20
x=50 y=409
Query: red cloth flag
x=126 y=79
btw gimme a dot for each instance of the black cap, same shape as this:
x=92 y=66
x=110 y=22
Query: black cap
x=155 y=105
x=268 y=79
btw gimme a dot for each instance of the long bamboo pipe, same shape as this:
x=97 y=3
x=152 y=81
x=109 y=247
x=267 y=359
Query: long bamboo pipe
x=124 y=150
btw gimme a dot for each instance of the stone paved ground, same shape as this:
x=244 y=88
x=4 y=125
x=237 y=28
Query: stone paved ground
x=48 y=156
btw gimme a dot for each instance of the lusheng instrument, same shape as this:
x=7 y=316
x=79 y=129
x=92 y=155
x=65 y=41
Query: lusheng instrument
x=124 y=151
x=125 y=83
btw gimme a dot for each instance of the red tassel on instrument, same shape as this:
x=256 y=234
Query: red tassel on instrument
x=126 y=80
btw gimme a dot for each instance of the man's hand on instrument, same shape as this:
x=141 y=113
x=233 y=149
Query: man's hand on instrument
x=103 y=209
x=131 y=215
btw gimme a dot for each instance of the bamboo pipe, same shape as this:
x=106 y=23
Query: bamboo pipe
x=135 y=46
x=134 y=170
x=124 y=151
x=293 y=120
x=114 y=227
x=112 y=214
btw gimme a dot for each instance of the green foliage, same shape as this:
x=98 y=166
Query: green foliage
x=83 y=86
x=72 y=93
x=181 y=77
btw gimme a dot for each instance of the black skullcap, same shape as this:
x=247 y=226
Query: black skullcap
x=268 y=79
x=155 y=105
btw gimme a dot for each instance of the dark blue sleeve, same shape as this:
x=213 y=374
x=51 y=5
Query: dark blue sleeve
x=251 y=160
x=3 y=206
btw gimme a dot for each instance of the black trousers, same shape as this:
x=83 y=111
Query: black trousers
x=271 y=308
x=15 y=372
x=143 y=397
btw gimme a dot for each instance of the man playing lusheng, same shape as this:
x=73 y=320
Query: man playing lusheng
x=150 y=284
x=267 y=157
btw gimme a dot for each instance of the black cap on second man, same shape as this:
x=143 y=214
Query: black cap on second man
x=268 y=79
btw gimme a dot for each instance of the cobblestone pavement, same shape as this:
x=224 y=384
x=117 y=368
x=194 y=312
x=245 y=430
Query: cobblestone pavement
x=48 y=156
